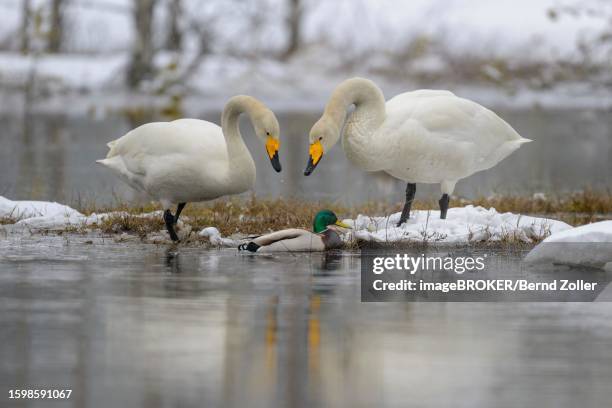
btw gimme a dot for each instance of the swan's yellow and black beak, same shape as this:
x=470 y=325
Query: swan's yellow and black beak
x=316 y=152
x=272 y=146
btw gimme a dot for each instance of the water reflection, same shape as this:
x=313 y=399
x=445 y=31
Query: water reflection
x=137 y=325
x=172 y=260
x=52 y=157
x=331 y=261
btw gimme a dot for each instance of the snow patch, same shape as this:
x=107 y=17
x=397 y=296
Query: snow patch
x=589 y=245
x=51 y=215
x=463 y=225
x=31 y=213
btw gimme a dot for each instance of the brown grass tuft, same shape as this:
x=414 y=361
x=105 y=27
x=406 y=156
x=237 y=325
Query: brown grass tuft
x=132 y=223
x=7 y=220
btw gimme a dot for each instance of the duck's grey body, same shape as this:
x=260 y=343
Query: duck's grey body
x=299 y=240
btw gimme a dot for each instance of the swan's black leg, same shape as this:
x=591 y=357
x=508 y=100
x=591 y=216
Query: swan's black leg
x=179 y=209
x=443 y=206
x=410 y=191
x=169 y=220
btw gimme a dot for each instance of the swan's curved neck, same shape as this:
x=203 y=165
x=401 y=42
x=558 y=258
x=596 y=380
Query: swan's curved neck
x=362 y=124
x=229 y=119
x=369 y=103
x=237 y=152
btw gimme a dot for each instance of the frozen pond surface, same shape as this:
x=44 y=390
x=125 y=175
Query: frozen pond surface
x=52 y=158
x=138 y=325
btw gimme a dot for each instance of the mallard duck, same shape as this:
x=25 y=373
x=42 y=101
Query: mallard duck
x=326 y=235
x=190 y=160
x=423 y=136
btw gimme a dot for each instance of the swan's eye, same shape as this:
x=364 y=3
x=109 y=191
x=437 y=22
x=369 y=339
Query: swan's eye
x=320 y=138
x=267 y=133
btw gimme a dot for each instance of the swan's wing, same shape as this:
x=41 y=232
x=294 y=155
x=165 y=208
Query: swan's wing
x=450 y=117
x=444 y=134
x=413 y=151
x=406 y=103
x=421 y=93
x=182 y=140
x=162 y=138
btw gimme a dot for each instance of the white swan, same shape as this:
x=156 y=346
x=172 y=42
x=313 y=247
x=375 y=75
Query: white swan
x=193 y=160
x=422 y=136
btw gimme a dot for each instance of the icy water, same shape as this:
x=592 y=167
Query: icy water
x=52 y=158
x=144 y=326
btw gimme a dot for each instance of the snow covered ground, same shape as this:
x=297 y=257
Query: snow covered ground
x=44 y=215
x=28 y=210
x=589 y=245
x=463 y=225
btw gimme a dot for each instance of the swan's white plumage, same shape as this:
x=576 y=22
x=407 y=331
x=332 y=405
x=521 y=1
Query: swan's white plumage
x=180 y=161
x=429 y=136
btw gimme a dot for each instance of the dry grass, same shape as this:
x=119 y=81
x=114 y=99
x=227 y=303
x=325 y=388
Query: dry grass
x=252 y=216
x=10 y=218
x=131 y=223
x=257 y=216
x=7 y=220
x=576 y=208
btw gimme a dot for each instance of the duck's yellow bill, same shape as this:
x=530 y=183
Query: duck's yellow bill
x=341 y=224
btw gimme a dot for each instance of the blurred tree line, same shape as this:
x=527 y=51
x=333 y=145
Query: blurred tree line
x=171 y=38
x=33 y=21
x=43 y=29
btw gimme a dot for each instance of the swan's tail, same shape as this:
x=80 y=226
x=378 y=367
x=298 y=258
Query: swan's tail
x=111 y=153
x=499 y=154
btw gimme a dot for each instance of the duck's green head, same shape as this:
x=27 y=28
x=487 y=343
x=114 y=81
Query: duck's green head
x=325 y=218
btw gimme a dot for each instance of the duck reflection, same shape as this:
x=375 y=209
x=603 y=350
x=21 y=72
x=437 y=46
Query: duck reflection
x=331 y=261
x=173 y=264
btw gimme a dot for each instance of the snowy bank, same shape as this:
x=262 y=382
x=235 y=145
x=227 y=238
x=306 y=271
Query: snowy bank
x=46 y=215
x=34 y=212
x=589 y=245
x=51 y=216
x=463 y=225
